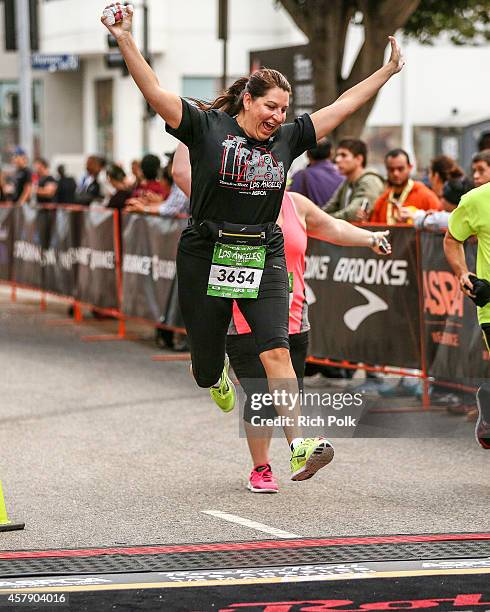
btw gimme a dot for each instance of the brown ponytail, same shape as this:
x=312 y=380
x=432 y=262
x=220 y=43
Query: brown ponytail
x=446 y=168
x=258 y=84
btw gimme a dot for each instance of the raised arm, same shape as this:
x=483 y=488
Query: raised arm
x=167 y=104
x=328 y=118
x=322 y=226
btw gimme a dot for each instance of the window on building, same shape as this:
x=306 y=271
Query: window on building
x=379 y=141
x=201 y=88
x=424 y=143
x=9 y=118
x=103 y=117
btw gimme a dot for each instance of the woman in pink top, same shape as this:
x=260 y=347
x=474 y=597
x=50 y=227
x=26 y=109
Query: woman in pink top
x=299 y=219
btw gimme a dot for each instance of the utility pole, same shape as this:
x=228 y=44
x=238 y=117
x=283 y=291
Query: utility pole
x=146 y=55
x=223 y=35
x=25 y=76
x=407 y=124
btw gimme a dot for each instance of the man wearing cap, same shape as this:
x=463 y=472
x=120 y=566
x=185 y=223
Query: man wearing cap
x=472 y=218
x=22 y=178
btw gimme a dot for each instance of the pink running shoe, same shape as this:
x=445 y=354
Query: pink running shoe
x=262 y=480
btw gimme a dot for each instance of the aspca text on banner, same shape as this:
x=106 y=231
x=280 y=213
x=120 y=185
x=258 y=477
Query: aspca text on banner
x=442 y=293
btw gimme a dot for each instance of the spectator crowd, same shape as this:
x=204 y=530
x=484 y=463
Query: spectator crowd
x=148 y=187
x=340 y=182
x=347 y=188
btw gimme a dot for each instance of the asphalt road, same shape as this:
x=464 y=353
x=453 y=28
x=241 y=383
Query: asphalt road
x=100 y=445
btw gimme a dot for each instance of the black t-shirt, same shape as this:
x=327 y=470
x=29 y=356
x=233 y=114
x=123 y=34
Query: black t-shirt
x=66 y=191
x=22 y=177
x=118 y=200
x=43 y=181
x=236 y=178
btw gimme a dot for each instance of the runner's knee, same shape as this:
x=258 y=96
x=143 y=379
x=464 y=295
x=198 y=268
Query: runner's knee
x=275 y=357
x=205 y=380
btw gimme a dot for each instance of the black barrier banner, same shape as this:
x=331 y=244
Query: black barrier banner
x=173 y=314
x=6 y=242
x=31 y=239
x=60 y=258
x=454 y=345
x=148 y=264
x=96 y=278
x=365 y=307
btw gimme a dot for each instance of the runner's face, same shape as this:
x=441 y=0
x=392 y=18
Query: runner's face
x=398 y=170
x=19 y=161
x=263 y=116
x=347 y=162
x=481 y=173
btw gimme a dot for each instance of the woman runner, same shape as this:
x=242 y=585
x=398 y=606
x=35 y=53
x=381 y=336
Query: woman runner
x=241 y=150
x=299 y=218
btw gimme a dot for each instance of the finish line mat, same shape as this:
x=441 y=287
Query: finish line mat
x=437 y=572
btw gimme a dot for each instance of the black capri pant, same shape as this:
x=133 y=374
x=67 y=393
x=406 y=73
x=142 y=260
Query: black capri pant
x=246 y=363
x=207 y=318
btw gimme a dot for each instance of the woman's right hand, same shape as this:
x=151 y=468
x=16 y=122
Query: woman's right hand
x=120 y=28
x=466 y=285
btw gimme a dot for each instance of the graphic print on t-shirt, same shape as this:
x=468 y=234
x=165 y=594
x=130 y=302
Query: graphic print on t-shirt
x=249 y=170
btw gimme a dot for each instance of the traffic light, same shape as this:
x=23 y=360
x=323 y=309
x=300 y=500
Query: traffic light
x=10 y=25
x=114 y=58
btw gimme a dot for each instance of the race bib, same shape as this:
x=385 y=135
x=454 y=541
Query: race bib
x=236 y=271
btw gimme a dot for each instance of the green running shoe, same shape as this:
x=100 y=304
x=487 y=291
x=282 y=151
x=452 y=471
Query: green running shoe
x=224 y=395
x=309 y=456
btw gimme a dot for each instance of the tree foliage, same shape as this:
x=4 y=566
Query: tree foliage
x=325 y=24
x=463 y=21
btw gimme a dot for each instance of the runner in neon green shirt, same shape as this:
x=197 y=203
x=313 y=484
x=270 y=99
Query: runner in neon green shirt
x=472 y=218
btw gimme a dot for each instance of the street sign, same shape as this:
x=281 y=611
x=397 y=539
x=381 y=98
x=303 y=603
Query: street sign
x=55 y=63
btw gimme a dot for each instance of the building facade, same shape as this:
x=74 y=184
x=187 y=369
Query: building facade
x=96 y=109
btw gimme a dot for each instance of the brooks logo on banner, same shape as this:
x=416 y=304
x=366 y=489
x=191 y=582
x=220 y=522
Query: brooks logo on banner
x=355 y=316
x=389 y=272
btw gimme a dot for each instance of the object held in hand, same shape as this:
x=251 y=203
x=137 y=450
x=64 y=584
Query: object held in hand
x=481 y=290
x=381 y=243
x=384 y=245
x=114 y=13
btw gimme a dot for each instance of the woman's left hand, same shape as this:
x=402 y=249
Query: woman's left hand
x=380 y=244
x=397 y=61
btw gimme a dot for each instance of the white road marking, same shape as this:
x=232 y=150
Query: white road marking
x=233 y=518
